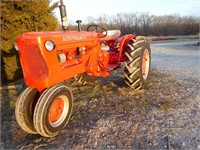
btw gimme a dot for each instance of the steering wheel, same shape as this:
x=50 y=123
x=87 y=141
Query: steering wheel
x=101 y=32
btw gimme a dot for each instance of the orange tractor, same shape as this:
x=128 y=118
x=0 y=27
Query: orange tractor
x=48 y=59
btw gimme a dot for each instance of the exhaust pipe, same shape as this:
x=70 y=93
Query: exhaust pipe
x=63 y=15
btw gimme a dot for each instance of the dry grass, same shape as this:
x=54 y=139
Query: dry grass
x=108 y=115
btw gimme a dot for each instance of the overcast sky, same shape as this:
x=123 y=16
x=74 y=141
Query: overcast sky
x=81 y=9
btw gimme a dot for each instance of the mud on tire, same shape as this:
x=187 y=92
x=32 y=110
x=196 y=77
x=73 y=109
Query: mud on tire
x=138 y=63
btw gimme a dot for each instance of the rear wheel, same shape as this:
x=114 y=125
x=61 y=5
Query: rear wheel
x=24 y=109
x=138 y=63
x=53 y=110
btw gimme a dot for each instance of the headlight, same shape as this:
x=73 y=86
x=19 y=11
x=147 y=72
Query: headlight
x=16 y=47
x=49 y=45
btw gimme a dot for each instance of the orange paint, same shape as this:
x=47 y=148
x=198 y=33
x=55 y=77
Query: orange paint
x=74 y=53
x=144 y=59
x=56 y=110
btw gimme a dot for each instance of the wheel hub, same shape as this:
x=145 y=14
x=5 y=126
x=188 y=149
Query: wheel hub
x=56 y=110
x=145 y=64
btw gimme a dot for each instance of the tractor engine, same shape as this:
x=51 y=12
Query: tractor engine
x=48 y=58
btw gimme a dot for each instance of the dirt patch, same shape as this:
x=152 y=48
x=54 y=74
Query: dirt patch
x=108 y=115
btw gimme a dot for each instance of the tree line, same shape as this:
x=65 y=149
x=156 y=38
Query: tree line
x=141 y=23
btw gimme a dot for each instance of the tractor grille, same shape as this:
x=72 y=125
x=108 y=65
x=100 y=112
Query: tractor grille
x=33 y=63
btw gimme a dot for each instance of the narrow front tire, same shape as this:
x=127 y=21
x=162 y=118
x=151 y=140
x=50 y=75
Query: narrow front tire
x=53 y=110
x=24 y=109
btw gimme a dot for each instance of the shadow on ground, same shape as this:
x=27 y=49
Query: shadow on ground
x=108 y=115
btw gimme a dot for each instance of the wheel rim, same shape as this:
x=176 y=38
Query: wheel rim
x=145 y=64
x=58 y=110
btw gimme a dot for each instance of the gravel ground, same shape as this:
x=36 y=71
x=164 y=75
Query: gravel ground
x=108 y=115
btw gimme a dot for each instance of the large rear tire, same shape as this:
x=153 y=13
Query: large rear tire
x=53 y=110
x=24 y=109
x=138 y=63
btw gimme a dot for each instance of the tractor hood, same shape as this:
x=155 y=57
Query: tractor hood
x=41 y=64
x=59 y=38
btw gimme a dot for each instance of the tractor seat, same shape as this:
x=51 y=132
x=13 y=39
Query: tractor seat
x=111 y=35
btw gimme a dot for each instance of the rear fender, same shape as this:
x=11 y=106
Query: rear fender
x=123 y=43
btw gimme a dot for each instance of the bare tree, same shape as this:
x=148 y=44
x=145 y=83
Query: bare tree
x=146 y=24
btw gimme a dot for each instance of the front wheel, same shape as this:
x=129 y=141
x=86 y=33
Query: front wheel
x=53 y=110
x=24 y=109
x=138 y=63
